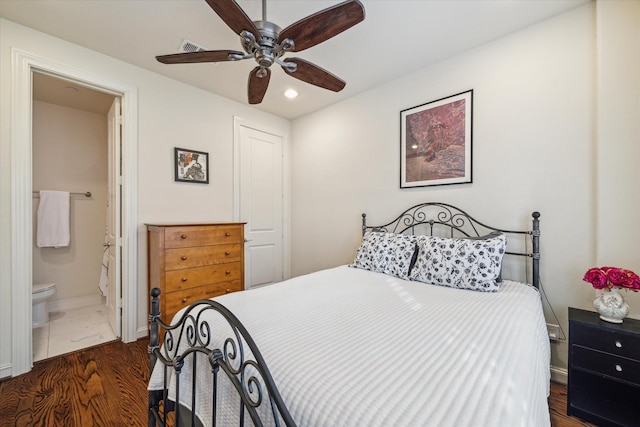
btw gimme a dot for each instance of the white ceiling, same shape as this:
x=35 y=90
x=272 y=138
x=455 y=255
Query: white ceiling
x=397 y=37
x=70 y=94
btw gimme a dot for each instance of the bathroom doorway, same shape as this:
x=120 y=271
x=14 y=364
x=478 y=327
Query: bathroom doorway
x=75 y=135
x=25 y=63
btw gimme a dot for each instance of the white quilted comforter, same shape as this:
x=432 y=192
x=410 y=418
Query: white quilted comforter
x=349 y=347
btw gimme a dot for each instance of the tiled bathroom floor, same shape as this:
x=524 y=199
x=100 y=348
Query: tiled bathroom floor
x=72 y=330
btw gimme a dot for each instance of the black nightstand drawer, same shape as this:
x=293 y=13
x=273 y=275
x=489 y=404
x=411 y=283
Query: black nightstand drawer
x=604 y=370
x=606 y=364
x=621 y=344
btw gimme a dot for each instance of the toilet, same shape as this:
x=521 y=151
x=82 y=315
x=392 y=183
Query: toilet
x=39 y=296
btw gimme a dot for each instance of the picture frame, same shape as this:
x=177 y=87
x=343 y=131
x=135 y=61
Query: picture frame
x=191 y=166
x=436 y=142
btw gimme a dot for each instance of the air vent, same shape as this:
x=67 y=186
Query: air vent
x=189 y=46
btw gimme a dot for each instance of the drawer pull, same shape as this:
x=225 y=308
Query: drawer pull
x=227 y=291
x=227 y=272
x=227 y=234
x=184 y=279
x=618 y=344
x=618 y=368
x=183 y=257
x=227 y=253
x=185 y=299
x=184 y=236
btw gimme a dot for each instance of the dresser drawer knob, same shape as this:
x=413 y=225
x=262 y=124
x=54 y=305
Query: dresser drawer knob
x=183 y=236
x=227 y=253
x=227 y=234
x=184 y=279
x=183 y=257
x=227 y=291
x=227 y=272
x=618 y=368
x=185 y=299
x=618 y=344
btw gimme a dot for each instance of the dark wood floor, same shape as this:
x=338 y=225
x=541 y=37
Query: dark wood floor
x=106 y=386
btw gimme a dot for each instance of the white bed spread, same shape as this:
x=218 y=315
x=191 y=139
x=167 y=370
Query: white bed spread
x=367 y=349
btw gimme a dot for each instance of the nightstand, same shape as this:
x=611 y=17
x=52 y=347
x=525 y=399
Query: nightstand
x=604 y=370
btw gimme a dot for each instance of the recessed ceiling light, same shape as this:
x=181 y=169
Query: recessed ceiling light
x=291 y=93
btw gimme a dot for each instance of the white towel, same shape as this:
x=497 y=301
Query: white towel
x=103 y=283
x=53 y=219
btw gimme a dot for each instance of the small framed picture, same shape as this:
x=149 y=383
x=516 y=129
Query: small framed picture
x=435 y=142
x=191 y=166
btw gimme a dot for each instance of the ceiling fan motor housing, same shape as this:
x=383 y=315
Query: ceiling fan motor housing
x=266 y=49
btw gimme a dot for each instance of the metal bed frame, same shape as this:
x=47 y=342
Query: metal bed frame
x=239 y=357
x=426 y=218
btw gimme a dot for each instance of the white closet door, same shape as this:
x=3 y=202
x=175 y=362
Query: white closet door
x=261 y=205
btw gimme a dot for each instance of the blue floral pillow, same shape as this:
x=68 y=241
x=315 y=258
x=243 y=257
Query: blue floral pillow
x=460 y=262
x=386 y=253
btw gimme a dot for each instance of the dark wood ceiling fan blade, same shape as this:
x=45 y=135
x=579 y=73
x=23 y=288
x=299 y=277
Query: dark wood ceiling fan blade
x=312 y=74
x=258 y=85
x=233 y=15
x=323 y=25
x=194 y=57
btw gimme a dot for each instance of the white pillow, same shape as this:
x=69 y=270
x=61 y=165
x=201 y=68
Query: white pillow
x=386 y=253
x=460 y=262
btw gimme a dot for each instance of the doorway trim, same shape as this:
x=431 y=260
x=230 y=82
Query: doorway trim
x=23 y=64
x=239 y=122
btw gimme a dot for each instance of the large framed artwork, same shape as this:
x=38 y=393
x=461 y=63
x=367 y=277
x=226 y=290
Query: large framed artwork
x=191 y=166
x=435 y=142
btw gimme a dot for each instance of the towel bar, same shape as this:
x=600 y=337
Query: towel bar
x=86 y=194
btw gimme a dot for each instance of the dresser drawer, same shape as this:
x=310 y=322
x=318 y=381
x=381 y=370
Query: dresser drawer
x=177 y=280
x=606 y=364
x=186 y=236
x=175 y=259
x=617 y=343
x=175 y=301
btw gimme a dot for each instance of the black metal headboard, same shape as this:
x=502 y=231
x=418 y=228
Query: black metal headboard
x=426 y=218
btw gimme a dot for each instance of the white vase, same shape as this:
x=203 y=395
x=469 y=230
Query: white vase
x=611 y=306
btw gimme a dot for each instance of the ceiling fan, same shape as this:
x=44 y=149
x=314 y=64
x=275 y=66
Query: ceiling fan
x=265 y=42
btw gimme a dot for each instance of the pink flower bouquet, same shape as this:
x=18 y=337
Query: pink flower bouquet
x=612 y=277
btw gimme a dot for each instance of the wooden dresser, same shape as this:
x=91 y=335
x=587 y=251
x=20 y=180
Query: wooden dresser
x=190 y=262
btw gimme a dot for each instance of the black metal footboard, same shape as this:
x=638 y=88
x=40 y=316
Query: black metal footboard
x=192 y=354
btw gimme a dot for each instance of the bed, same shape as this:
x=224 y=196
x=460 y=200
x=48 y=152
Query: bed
x=420 y=329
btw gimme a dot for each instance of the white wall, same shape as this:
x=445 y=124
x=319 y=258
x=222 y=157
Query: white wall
x=70 y=154
x=534 y=148
x=618 y=139
x=170 y=114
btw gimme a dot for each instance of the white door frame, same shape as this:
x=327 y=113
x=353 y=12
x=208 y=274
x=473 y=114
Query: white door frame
x=23 y=64
x=286 y=188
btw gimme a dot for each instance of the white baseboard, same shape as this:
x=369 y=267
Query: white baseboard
x=559 y=375
x=5 y=371
x=142 y=332
x=71 y=303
